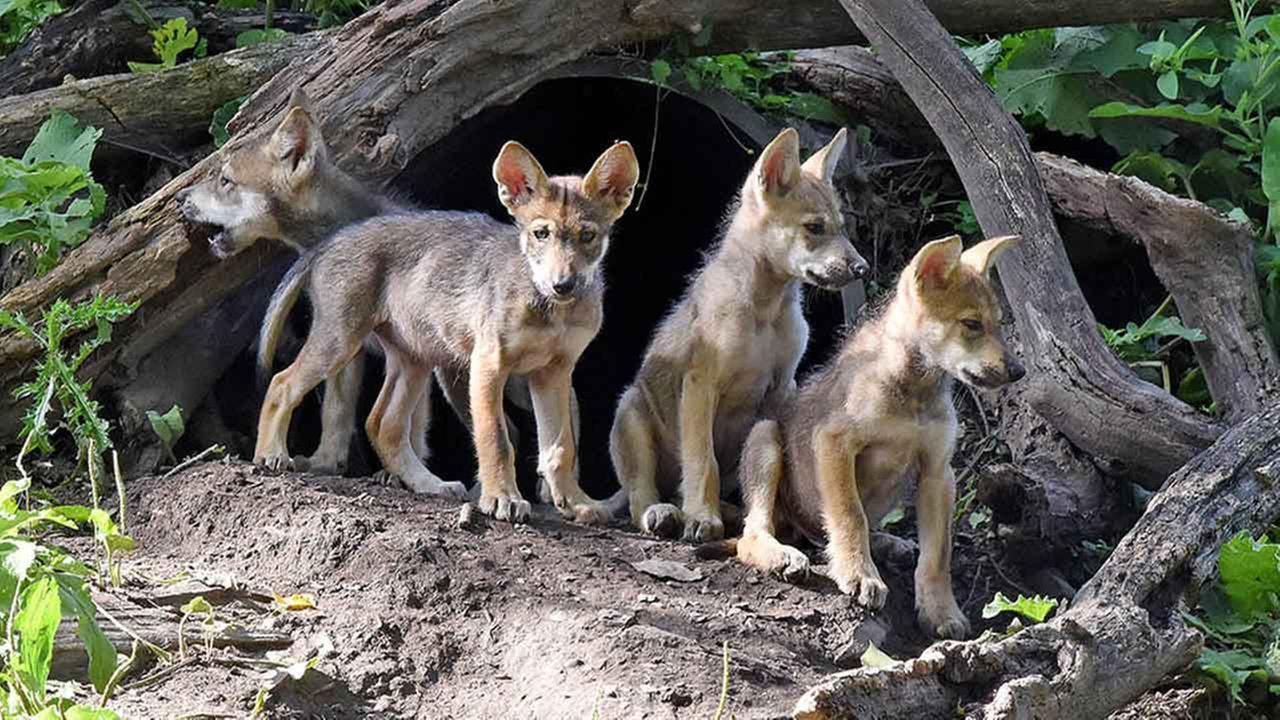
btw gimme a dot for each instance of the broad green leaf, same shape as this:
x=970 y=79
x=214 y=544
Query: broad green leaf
x=169 y=427
x=1195 y=113
x=103 y=658
x=1233 y=669
x=36 y=625
x=1250 y=575
x=1271 y=172
x=816 y=107
x=660 y=70
x=61 y=140
x=1167 y=84
x=984 y=56
x=874 y=657
x=197 y=605
x=249 y=38
x=83 y=712
x=1035 y=608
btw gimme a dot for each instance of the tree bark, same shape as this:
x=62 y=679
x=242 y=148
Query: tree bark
x=1073 y=379
x=99 y=37
x=161 y=113
x=1204 y=260
x=397 y=79
x=1123 y=632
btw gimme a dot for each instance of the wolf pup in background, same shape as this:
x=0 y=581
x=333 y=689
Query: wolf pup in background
x=460 y=290
x=731 y=346
x=834 y=462
x=283 y=186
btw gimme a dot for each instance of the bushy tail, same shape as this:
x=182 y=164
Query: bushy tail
x=717 y=550
x=282 y=302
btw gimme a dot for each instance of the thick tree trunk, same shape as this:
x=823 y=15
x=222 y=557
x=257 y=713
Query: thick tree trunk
x=157 y=113
x=1123 y=632
x=400 y=77
x=99 y=37
x=1073 y=379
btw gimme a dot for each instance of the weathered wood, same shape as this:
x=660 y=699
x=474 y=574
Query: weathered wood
x=1073 y=379
x=1203 y=259
x=398 y=78
x=1123 y=632
x=162 y=113
x=100 y=37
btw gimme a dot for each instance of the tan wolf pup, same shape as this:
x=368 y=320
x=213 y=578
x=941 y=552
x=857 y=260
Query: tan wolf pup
x=463 y=292
x=834 y=462
x=283 y=186
x=731 y=347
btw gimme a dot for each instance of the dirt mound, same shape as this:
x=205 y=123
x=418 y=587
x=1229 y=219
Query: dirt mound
x=550 y=620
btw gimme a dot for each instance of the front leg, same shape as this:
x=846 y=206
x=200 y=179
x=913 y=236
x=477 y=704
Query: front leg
x=836 y=447
x=552 y=394
x=936 y=606
x=700 y=474
x=499 y=494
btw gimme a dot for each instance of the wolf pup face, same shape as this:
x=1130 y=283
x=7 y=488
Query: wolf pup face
x=258 y=182
x=565 y=221
x=958 y=311
x=798 y=212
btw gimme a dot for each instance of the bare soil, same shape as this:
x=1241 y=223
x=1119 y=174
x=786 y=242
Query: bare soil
x=428 y=619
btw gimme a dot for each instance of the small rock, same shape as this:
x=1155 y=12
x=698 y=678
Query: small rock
x=668 y=570
x=466 y=517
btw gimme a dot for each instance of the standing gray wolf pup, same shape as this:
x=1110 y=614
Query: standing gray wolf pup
x=283 y=186
x=461 y=291
x=833 y=463
x=731 y=347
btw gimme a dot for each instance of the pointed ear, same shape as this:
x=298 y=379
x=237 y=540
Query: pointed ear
x=935 y=262
x=822 y=164
x=983 y=256
x=519 y=176
x=777 y=172
x=297 y=144
x=299 y=99
x=612 y=179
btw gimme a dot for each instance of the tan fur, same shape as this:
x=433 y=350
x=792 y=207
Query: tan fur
x=879 y=414
x=730 y=348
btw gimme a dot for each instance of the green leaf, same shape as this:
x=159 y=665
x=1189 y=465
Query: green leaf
x=1271 y=172
x=984 y=56
x=874 y=657
x=1167 y=84
x=1194 y=113
x=816 y=107
x=36 y=625
x=1035 y=608
x=103 y=659
x=1250 y=575
x=249 y=38
x=1233 y=669
x=197 y=605
x=169 y=427
x=660 y=70
x=61 y=140
x=82 y=712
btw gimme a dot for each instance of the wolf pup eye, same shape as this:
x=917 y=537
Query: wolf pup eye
x=542 y=233
x=972 y=325
x=587 y=237
x=225 y=181
x=815 y=228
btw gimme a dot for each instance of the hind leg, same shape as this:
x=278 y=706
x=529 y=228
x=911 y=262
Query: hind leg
x=320 y=358
x=634 y=451
x=338 y=418
x=392 y=423
x=761 y=476
x=422 y=423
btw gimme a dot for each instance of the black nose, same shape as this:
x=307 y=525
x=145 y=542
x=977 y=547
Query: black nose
x=182 y=195
x=566 y=285
x=859 y=268
x=1014 y=368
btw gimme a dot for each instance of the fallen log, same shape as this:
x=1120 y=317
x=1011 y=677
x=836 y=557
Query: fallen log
x=100 y=37
x=162 y=114
x=1124 y=630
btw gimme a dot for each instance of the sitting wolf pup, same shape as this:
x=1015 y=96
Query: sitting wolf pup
x=730 y=348
x=461 y=291
x=834 y=462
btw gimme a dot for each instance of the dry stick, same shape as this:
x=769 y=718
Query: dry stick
x=212 y=449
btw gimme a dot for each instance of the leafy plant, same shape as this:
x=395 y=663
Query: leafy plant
x=168 y=427
x=1134 y=343
x=19 y=17
x=222 y=116
x=196 y=607
x=48 y=198
x=254 y=37
x=1240 y=617
x=171 y=40
x=1035 y=608
x=56 y=373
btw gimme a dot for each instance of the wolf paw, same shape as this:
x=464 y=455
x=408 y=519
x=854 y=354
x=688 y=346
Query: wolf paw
x=511 y=508
x=662 y=519
x=702 y=527
x=590 y=513
x=792 y=565
x=870 y=592
x=276 y=463
x=321 y=463
x=939 y=615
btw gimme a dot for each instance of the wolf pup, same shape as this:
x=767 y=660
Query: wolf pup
x=833 y=463
x=462 y=291
x=283 y=186
x=731 y=346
